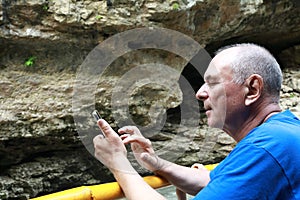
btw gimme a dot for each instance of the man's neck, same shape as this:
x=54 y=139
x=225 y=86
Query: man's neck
x=259 y=116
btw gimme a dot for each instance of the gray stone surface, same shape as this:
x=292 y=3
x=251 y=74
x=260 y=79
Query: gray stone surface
x=40 y=149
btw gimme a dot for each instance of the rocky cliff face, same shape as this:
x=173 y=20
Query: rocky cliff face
x=44 y=43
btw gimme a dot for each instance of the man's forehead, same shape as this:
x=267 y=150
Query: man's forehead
x=212 y=72
x=220 y=68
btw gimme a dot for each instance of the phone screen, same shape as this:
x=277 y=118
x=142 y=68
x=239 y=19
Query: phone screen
x=96 y=115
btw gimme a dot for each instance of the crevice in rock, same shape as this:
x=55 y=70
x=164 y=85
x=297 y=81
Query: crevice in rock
x=273 y=41
x=195 y=79
x=5 y=6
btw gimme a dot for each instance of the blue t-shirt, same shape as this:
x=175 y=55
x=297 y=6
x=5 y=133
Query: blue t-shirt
x=263 y=165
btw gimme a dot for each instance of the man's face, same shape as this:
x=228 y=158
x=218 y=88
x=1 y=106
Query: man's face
x=221 y=96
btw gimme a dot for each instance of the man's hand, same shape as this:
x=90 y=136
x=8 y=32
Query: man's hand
x=141 y=147
x=110 y=150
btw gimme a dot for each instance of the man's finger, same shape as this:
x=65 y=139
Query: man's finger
x=97 y=138
x=106 y=128
x=140 y=140
x=124 y=136
x=129 y=129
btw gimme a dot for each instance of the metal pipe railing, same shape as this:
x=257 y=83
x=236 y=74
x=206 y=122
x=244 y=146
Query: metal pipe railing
x=106 y=191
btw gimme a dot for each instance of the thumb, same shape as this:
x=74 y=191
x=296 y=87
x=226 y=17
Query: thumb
x=150 y=162
x=106 y=128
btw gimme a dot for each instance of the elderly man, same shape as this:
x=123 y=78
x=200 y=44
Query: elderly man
x=241 y=97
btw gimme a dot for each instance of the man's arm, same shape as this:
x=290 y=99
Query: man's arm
x=186 y=179
x=134 y=187
x=110 y=150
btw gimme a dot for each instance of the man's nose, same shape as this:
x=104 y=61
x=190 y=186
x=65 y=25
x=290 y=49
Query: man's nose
x=202 y=93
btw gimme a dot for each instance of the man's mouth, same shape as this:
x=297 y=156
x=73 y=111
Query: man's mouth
x=207 y=110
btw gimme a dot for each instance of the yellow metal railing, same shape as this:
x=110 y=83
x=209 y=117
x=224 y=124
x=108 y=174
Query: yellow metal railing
x=106 y=191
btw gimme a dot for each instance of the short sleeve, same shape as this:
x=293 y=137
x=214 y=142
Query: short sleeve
x=247 y=173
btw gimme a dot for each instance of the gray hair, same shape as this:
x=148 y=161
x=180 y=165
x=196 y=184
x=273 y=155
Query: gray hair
x=254 y=59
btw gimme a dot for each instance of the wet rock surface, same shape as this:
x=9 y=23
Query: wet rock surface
x=44 y=42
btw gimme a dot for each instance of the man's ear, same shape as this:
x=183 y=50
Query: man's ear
x=254 y=85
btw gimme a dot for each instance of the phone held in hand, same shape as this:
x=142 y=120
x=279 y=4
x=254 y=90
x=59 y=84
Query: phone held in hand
x=96 y=115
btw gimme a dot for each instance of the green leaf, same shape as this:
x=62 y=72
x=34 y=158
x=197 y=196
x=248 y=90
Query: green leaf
x=30 y=61
x=175 y=6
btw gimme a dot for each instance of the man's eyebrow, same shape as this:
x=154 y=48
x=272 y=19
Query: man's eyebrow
x=211 y=79
x=208 y=77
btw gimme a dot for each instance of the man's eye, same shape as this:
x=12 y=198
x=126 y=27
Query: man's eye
x=212 y=83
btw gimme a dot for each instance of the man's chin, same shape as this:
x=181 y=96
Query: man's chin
x=214 y=124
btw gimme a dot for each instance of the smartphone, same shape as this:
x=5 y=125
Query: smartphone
x=96 y=115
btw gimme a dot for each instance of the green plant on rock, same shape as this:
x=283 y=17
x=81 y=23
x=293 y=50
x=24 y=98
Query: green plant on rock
x=175 y=6
x=292 y=95
x=30 y=61
x=45 y=7
x=98 y=17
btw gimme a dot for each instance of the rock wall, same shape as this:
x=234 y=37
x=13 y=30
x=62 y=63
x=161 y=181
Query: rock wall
x=43 y=43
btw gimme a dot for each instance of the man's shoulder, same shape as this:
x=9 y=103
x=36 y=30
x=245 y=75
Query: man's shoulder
x=272 y=149
x=284 y=117
x=281 y=125
x=278 y=134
